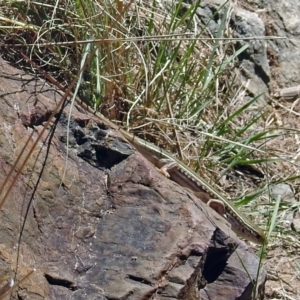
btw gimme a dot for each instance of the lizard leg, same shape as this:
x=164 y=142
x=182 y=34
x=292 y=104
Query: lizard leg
x=167 y=165
x=218 y=206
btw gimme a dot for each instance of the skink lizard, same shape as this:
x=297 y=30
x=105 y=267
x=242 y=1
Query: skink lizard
x=187 y=178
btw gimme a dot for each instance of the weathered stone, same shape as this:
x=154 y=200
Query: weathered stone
x=286 y=195
x=103 y=223
x=248 y=25
x=281 y=18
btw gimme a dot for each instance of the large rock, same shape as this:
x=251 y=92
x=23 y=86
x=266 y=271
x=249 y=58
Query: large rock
x=102 y=223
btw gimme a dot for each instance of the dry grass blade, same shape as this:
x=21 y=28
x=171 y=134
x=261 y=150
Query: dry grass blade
x=166 y=38
x=7 y=289
x=14 y=167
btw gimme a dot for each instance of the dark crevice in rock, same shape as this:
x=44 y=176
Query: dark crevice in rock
x=258 y=70
x=183 y=257
x=195 y=252
x=61 y=282
x=100 y=156
x=261 y=74
x=97 y=148
x=210 y=273
x=139 y=279
x=216 y=258
x=80 y=136
x=107 y=158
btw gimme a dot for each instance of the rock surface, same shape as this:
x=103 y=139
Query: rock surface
x=104 y=224
x=267 y=65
